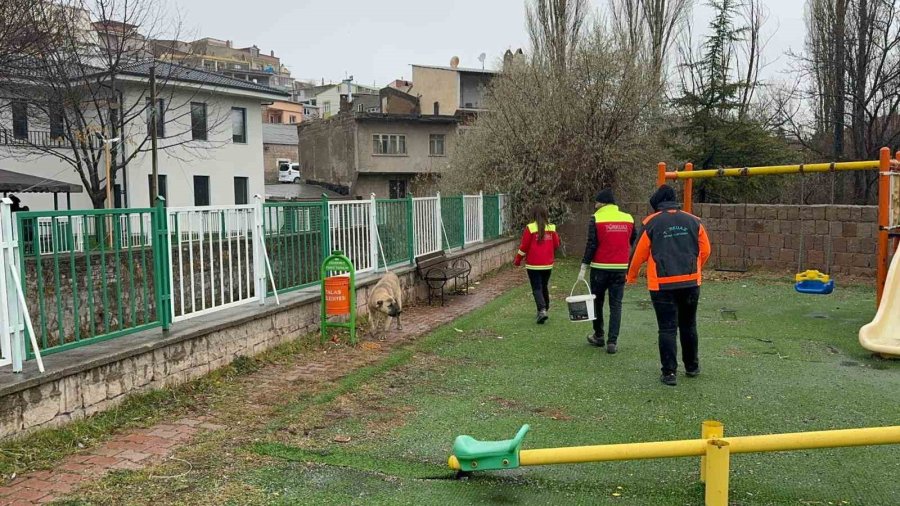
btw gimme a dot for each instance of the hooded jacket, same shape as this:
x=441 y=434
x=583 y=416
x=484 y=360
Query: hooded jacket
x=675 y=247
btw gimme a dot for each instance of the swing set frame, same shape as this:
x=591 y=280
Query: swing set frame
x=882 y=165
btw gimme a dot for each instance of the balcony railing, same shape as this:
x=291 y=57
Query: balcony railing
x=32 y=138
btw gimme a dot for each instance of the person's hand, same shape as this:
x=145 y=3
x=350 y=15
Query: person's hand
x=518 y=261
x=582 y=272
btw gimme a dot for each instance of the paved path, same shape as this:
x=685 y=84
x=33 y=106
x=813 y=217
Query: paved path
x=141 y=448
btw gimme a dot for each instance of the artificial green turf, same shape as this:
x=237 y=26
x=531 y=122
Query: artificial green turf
x=789 y=363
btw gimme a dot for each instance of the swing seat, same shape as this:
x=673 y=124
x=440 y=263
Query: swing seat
x=813 y=282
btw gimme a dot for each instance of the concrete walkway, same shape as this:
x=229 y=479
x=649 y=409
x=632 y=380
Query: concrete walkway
x=146 y=447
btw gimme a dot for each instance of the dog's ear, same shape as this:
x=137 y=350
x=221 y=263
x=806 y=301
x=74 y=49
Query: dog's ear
x=379 y=303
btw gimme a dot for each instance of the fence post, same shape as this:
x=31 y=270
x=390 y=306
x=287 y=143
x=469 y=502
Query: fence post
x=373 y=231
x=161 y=276
x=259 y=259
x=710 y=429
x=462 y=215
x=499 y=215
x=11 y=334
x=410 y=229
x=438 y=222
x=326 y=229
x=480 y=216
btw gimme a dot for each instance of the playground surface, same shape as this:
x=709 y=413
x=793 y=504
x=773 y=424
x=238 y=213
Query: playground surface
x=380 y=431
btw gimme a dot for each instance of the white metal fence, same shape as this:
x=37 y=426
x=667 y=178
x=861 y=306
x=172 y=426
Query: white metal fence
x=61 y=234
x=351 y=230
x=212 y=258
x=427 y=225
x=473 y=210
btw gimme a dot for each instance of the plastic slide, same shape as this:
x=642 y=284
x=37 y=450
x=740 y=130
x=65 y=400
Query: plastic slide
x=882 y=335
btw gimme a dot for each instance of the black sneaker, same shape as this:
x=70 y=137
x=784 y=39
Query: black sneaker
x=542 y=317
x=593 y=341
x=669 y=379
x=693 y=373
x=611 y=348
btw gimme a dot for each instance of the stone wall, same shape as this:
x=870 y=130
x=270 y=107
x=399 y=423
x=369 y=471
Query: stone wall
x=86 y=380
x=759 y=236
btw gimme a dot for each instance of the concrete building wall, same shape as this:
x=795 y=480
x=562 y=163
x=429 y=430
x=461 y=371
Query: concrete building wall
x=327 y=152
x=436 y=85
x=417 y=158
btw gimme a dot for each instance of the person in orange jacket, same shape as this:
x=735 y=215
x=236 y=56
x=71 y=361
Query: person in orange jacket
x=538 y=249
x=675 y=247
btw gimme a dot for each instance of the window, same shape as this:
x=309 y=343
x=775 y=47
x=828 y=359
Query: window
x=239 y=125
x=162 y=187
x=326 y=108
x=437 y=108
x=201 y=190
x=293 y=119
x=241 y=191
x=436 y=145
x=389 y=144
x=198 y=121
x=160 y=118
x=397 y=188
x=55 y=115
x=360 y=107
x=20 y=120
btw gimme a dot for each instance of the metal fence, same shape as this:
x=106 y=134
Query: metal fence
x=98 y=274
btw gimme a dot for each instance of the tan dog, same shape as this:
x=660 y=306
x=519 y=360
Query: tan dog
x=385 y=303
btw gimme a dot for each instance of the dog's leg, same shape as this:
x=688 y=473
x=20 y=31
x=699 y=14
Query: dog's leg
x=399 y=325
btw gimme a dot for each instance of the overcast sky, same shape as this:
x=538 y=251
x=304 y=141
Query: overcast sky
x=375 y=42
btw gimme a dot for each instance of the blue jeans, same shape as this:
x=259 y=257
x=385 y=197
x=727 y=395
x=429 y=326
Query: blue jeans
x=613 y=282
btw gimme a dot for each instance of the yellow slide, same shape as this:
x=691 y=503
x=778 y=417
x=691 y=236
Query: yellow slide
x=882 y=335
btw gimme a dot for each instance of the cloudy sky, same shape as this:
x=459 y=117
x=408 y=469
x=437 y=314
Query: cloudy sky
x=375 y=42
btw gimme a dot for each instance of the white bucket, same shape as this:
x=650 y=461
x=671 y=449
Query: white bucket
x=581 y=307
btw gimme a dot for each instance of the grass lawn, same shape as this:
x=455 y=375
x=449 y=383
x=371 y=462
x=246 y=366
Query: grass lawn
x=789 y=362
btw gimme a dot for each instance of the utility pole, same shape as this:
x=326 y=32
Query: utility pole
x=154 y=118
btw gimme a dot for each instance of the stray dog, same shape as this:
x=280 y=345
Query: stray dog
x=385 y=303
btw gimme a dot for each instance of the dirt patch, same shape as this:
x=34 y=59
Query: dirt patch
x=552 y=413
x=735 y=352
x=506 y=403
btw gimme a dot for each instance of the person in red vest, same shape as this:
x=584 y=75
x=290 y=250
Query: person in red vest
x=538 y=249
x=610 y=235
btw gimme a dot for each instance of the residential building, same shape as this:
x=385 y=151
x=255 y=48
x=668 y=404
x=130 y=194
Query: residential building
x=283 y=112
x=396 y=101
x=280 y=144
x=209 y=129
x=390 y=155
x=450 y=90
x=327 y=97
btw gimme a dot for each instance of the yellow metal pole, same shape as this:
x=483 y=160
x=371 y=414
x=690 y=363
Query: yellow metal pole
x=710 y=429
x=774 y=170
x=717 y=458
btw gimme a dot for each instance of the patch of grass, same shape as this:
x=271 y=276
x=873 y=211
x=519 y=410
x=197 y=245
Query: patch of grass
x=45 y=448
x=774 y=369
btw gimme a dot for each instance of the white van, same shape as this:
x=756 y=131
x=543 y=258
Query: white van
x=288 y=172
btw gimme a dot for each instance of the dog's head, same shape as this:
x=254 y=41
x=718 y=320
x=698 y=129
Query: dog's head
x=388 y=306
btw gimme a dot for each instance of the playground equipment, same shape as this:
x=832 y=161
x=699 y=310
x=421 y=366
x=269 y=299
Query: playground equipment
x=813 y=282
x=713 y=449
x=888 y=205
x=338 y=294
x=882 y=335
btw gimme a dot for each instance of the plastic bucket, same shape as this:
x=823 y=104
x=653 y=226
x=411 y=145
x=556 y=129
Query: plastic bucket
x=337 y=295
x=581 y=307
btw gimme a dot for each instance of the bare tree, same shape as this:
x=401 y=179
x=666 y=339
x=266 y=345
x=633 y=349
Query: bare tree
x=91 y=84
x=555 y=28
x=661 y=20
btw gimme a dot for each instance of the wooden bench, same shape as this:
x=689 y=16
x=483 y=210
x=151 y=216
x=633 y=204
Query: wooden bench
x=436 y=270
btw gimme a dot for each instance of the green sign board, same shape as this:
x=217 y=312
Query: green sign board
x=337 y=262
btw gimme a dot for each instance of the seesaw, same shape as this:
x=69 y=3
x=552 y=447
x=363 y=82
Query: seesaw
x=470 y=454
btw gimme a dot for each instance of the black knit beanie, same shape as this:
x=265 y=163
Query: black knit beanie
x=664 y=193
x=605 y=197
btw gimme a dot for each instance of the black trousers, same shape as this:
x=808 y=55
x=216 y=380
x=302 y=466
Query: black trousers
x=540 y=287
x=605 y=282
x=676 y=312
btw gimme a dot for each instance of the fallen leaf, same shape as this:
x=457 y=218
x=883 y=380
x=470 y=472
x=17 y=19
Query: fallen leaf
x=341 y=439
x=458 y=330
x=616 y=494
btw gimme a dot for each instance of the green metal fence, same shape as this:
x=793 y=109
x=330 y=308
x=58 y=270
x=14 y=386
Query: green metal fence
x=91 y=275
x=394 y=226
x=295 y=242
x=453 y=217
x=491 y=216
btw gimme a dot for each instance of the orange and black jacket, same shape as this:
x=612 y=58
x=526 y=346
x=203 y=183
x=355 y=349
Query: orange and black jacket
x=538 y=253
x=674 y=245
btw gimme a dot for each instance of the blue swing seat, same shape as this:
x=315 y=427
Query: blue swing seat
x=813 y=282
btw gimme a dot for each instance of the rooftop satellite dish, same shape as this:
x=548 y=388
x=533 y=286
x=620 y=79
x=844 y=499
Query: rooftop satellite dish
x=454 y=62
x=481 y=58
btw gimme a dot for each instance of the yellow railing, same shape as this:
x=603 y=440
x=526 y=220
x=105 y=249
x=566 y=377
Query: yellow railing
x=775 y=170
x=713 y=449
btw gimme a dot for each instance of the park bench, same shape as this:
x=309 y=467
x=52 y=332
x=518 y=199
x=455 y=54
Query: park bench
x=436 y=270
